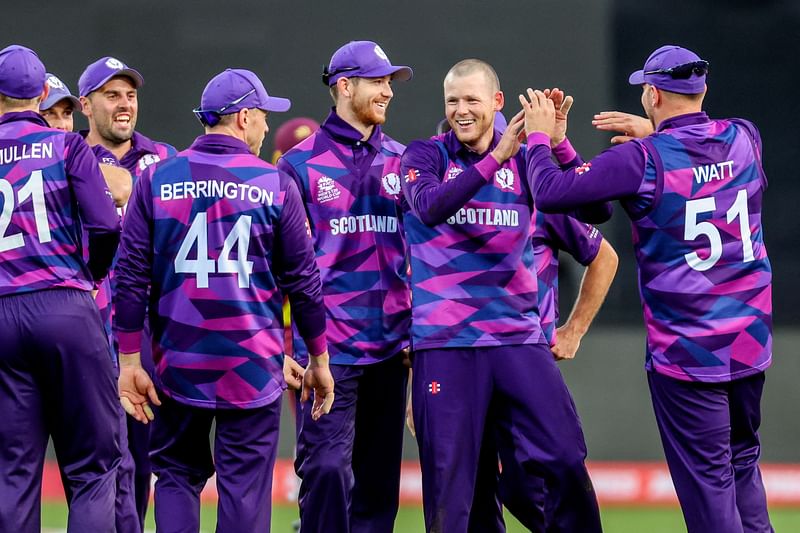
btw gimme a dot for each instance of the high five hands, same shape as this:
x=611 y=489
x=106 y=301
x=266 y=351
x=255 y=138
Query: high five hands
x=546 y=112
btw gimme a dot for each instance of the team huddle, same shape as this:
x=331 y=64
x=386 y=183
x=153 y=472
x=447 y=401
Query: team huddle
x=142 y=292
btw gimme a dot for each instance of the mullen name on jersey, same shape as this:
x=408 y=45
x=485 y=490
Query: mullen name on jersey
x=216 y=189
x=14 y=153
x=485 y=216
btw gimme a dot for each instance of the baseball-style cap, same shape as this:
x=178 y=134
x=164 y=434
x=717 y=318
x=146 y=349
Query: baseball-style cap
x=22 y=73
x=362 y=59
x=58 y=91
x=98 y=73
x=674 y=69
x=235 y=89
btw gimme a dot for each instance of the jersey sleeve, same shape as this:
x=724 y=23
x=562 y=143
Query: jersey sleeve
x=132 y=272
x=580 y=240
x=615 y=174
x=98 y=214
x=296 y=270
x=430 y=198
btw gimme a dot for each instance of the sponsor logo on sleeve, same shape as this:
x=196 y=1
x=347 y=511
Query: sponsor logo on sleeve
x=147 y=160
x=434 y=387
x=453 y=172
x=584 y=168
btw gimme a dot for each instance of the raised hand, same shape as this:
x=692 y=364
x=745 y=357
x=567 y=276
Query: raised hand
x=509 y=143
x=562 y=104
x=540 y=113
x=630 y=126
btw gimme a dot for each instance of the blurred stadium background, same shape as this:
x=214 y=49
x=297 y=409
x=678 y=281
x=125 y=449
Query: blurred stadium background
x=587 y=48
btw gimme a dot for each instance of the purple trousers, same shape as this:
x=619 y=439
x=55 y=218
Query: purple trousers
x=349 y=460
x=518 y=392
x=710 y=437
x=56 y=379
x=245 y=448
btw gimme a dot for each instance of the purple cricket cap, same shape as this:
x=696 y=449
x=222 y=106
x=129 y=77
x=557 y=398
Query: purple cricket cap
x=363 y=59
x=238 y=88
x=666 y=57
x=58 y=91
x=98 y=73
x=22 y=73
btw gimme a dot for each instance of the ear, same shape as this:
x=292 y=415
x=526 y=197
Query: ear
x=242 y=118
x=655 y=96
x=499 y=100
x=343 y=86
x=45 y=92
x=85 y=106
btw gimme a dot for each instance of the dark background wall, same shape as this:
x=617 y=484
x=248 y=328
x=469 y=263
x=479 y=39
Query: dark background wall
x=586 y=47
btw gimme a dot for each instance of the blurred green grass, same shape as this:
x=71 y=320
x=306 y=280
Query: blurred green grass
x=409 y=519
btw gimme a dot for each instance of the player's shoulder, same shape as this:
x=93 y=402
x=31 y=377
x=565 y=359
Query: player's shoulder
x=301 y=152
x=390 y=145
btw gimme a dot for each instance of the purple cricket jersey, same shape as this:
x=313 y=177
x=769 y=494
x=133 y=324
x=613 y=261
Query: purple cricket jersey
x=218 y=235
x=693 y=191
x=555 y=232
x=351 y=190
x=469 y=228
x=52 y=190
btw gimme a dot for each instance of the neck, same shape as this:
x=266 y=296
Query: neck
x=481 y=145
x=119 y=150
x=672 y=112
x=347 y=114
x=229 y=131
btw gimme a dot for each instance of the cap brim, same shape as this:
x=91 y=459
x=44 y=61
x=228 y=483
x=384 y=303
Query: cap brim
x=637 y=78
x=47 y=104
x=402 y=73
x=278 y=104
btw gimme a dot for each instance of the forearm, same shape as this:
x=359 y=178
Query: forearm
x=436 y=201
x=593 y=290
x=119 y=183
x=614 y=174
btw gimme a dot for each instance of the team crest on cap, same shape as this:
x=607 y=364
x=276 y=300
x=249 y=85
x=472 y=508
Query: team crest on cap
x=453 y=172
x=391 y=184
x=147 y=160
x=380 y=53
x=327 y=190
x=55 y=83
x=504 y=178
x=114 y=63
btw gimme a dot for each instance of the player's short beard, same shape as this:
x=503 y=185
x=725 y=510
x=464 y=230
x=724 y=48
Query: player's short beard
x=365 y=114
x=108 y=133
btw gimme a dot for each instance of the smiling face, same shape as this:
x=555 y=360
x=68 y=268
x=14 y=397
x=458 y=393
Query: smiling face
x=112 y=110
x=59 y=116
x=470 y=102
x=370 y=99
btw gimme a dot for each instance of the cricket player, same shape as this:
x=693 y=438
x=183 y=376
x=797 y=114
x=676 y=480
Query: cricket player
x=108 y=90
x=476 y=331
x=56 y=376
x=693 y=191
x=218 y=235
x=58 y=110
x=348 y=173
